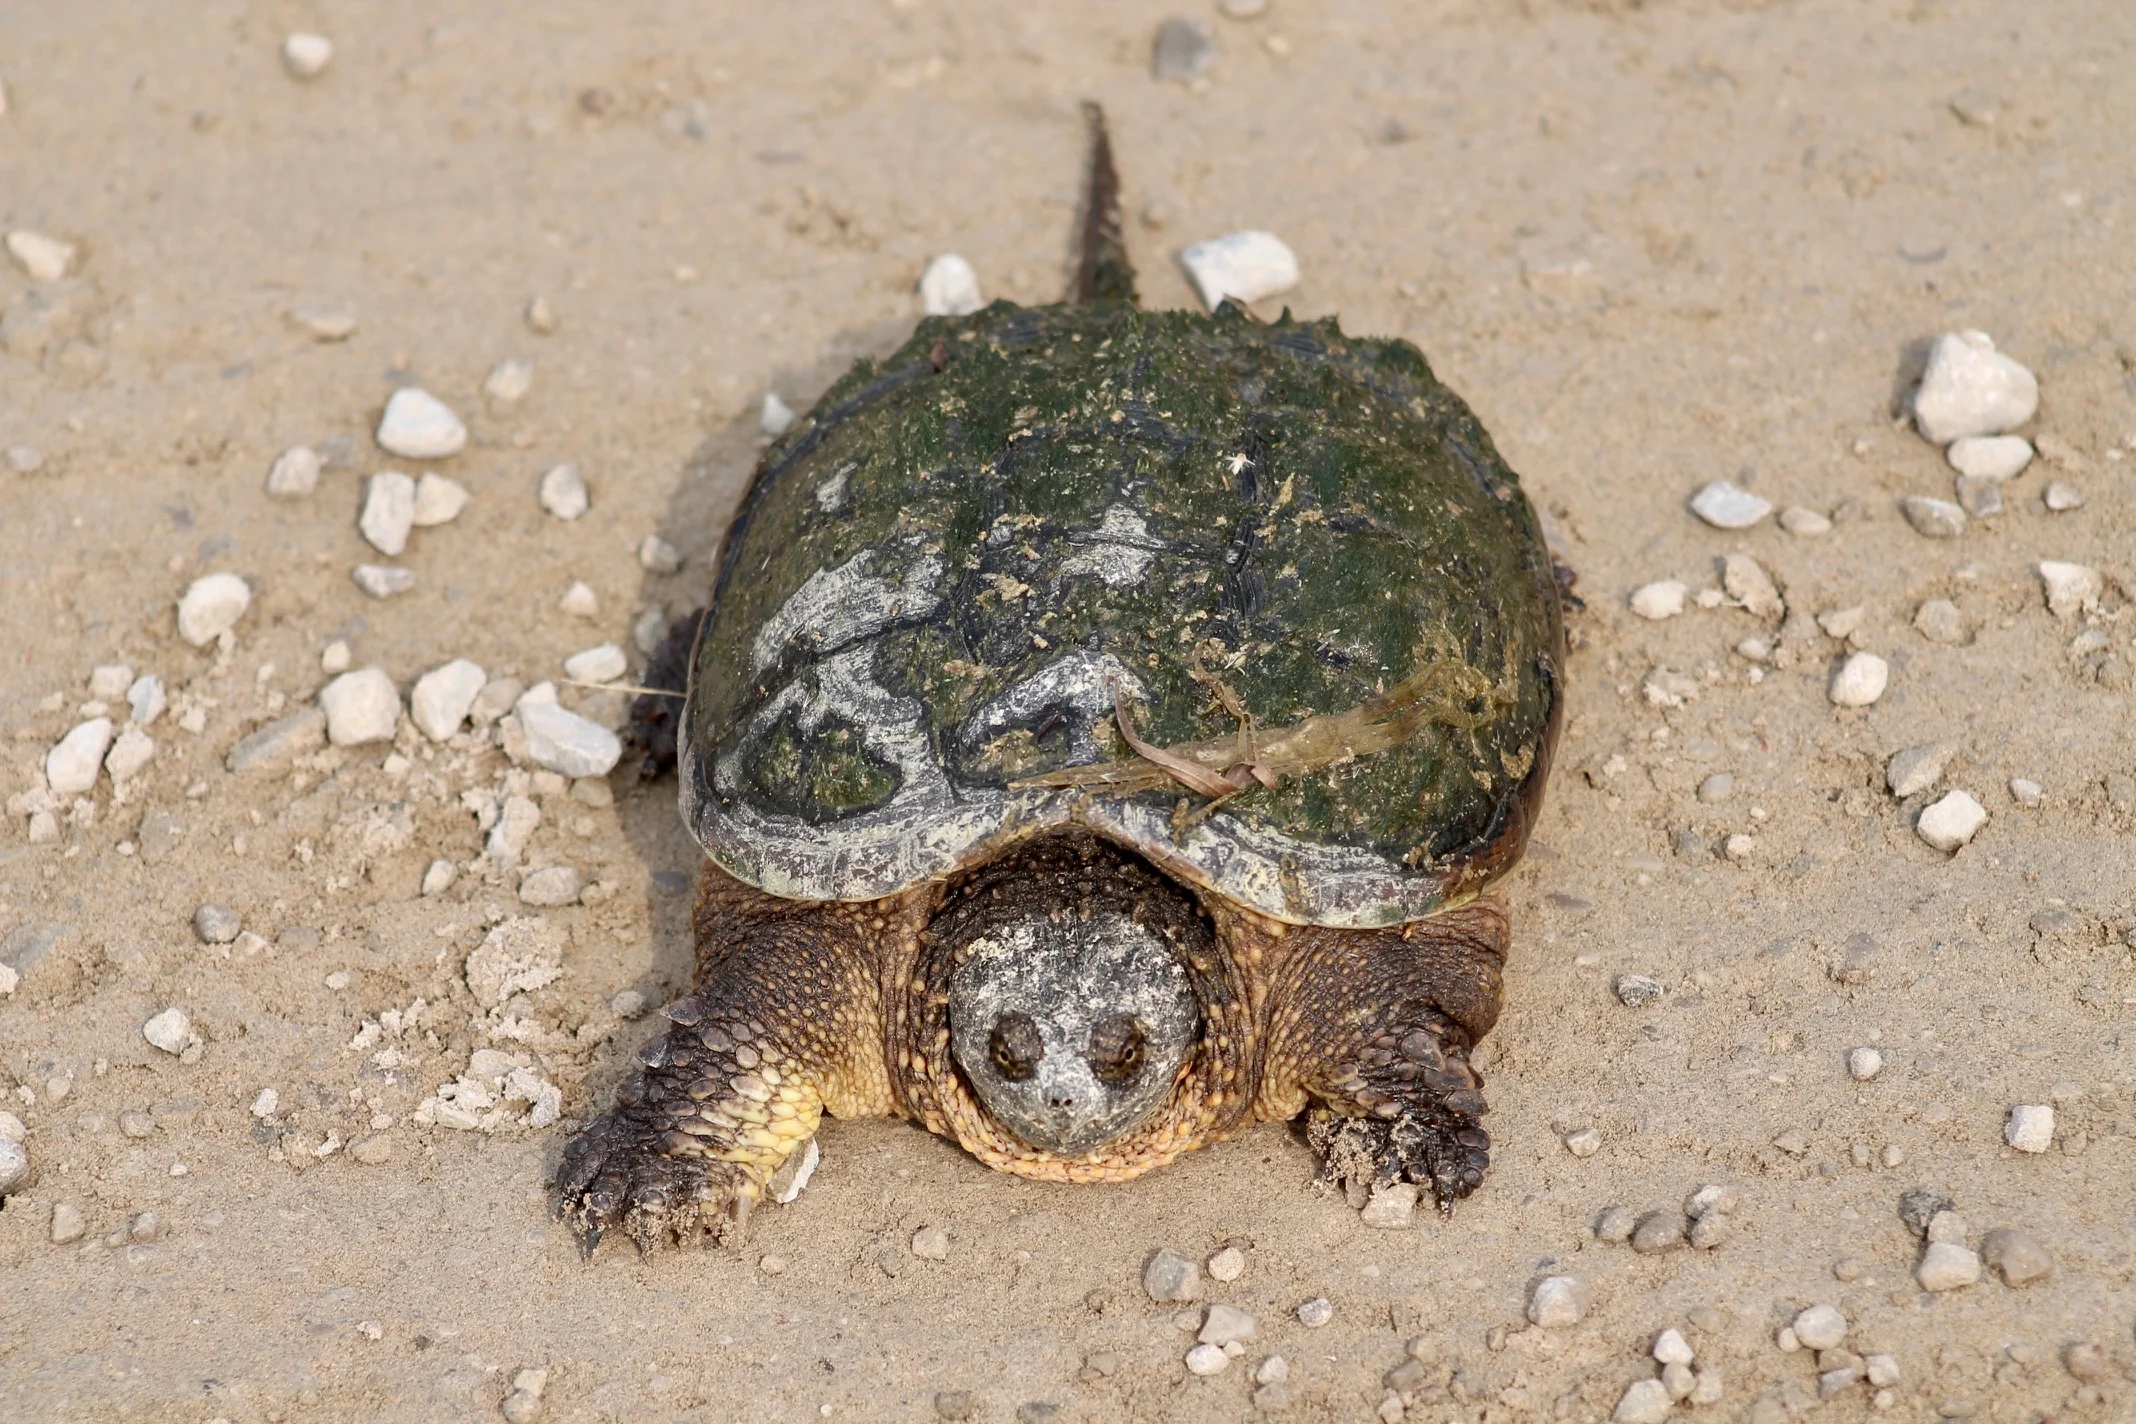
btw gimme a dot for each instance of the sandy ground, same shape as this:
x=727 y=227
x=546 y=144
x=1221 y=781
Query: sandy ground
x=1652 y=244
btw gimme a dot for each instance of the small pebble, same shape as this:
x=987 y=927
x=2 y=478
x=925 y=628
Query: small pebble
x=551 y=887
x=25 y=459
x=563 y=492
x=955 y=1404
x=1952 y=822
x=1805 y=523
x=265 y=1102
x=335 y=658
x=145 y=700
x=306 y=56
x=2025 y=793
x=68 y=1224
x=1224 y=1324
x=71 y=766
x=1980 y=498
x=216 y=925
x=1616 y=1225
x=1658 y=600
x=1245 y=266
x=1315 y=1313
x=1751 y=587
x=1716 y=788
x=1843 y=623
x=1273 y=1370
x=1227 y=1265
x=324 y=324
x=1945 y=1265
x=45 y=258
x=1715 y=1228
x=443 y=697
x=1169 y=1276
x=1933 y=518
x=1990 y=457
x=775 y=417
x=509 y=381
x=211 y=607
x=1583 y=1142
x=1658 y=1231
x=1821 y=1327
x=1183 y=49
x=294 y=473
x=2071 y=588
x=949 y=287
x=383 y=580
x=567 y=743
x=602 y=663
x=657 y=556
x=1637 y=991
x=1678 y=1381
x=14 y=1165
x=388 y=512
x=2061 y=497
x=1860 y=681
x=418 y=426
x=2084 y=1360
x=2015 y=1256
x=170 y=1031
x=438 y=500
x=1557 y=1302
x=1915 y=769
x=2031 y=1127
x=540 y=316
x=1970 y=388
x=361 y=707
x=1864 y=1063
x=1711 y=1198
x=1939 y=621
x=580 y=601
x=1724 y=506
x=1670 y=1348
x=1207 y=1360
x=1391 y=1207
x=1645 y=1402
x=1882 y=1370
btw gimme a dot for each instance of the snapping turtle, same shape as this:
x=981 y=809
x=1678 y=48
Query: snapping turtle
x=1104 y=735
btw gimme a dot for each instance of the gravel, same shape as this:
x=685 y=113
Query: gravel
x=1658 y=1231
x=509 y=381
x=388 y=512
x=439 y=876
x=1979 y=497
x=1314 y=1313
x=1804 y=523
x=1226 y=1265
x=275 y=745
x=931 y=1243
x=145 y=700
x=540 y=316
x=1637 y=991
x=2086 y=1361
x=443 y=697
x=1724 y=506
x=657 y=556
x=566 y=743
x=1821 y=1327
x=1864 y=1063
x=1939 y=621
x=14 y=1165
x=1557 y=1302
x=1915 y=769
x=1169 y=1276
x=130 y=755
x=71 y=766
x=1716 y=788
x=563 y=492
x=361 y=707
x=2061 y=496
x=1183 y=49
x=1657 y=601
x=1644 y=1402
x=602 y=663
x=949 y=287
x=552 y=886
x=68 y=1224
x=217 y=924
x=294 y=473
x=438 y=500
x=1390 y=1208
x=1751 y=587
x=211 y=607
x=1616 y=1225
x=1990 y=457
x=2025 y=792
x=1860 y=681
x=1670 y=1348
x=580 y=601
x=1933 y=518
x=1952 y=822
x=2031 y=1127
x=1224 y=1324
x=1207 y=1360
x=775 y=417
x=1945 y=1266
x=1970 y=388
x=1245 y=265
x=2015 y=1256
x=1583 y=1142
x=43 y=257
x=383 y=580
x=307 y=55
x=170 y=1031
x=2070 y=588
x=418 y=426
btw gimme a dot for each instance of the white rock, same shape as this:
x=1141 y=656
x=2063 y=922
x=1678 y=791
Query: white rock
x=388 y=512
x=130 y=754
x=2026 y=792
x=776 y=417
x=1657 y=601
x=170 y=1031
x=438 y=877
x=2062 y=496
x=509 y=381
x=383 y=580
x=1990 y=457
x=1247 y=265
x=361 y=707
x=1226 y=1323
x=1805 y=523
x=1915 y=769
x=1557 y=1301
x=1751 y=587
x=1933 y=518
x=146 y=699
x=9 y=976
x=1226 y=1265
x=1821 y=1327
x=419 y=426
x=1970 y=388
x=307 y=55
x=1951 y=822
x=444 y=696
x=1945 y=1265
x=108 y=683
x=563 y=492
x=567 y=743
x=1645 y=1401
x=211 y=607
x=46 y=259
x=1207 y=1360
x=438 y=500
x=552 y=886
x=2071 y=588
x=657 y=556
x=2031 y=1127
x=949 y=287
x=1860 y=681
x=1670 y=1348
x=294 y=473
x=70 y=767
x=14 y=1165
x=603 y=662
x=1724 y=506
x=1314 y=1313
x=580 y=601
x=1864 y=1063
x=265 y=1103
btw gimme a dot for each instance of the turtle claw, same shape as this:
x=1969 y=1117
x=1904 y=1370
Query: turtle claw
x=1435 y=1145
x=624 y=1174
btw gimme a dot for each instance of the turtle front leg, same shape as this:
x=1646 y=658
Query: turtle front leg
x=1378 y=1047
x=783 y=1025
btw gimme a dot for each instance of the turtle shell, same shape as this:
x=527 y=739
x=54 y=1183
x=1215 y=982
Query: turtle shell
x=1288 y=557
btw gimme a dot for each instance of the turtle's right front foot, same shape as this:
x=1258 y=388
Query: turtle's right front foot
x=639 y=1171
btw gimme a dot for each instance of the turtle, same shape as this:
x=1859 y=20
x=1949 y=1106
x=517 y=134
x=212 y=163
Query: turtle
x=1106 y=733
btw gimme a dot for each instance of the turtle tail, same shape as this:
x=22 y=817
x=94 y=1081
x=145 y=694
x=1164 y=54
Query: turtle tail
x=1102 y=271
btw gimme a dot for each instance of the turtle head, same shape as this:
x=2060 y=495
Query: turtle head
x=1071 y=1014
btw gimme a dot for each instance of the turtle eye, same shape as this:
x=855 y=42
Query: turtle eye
x=1015 y=1047
x=1118 y=1045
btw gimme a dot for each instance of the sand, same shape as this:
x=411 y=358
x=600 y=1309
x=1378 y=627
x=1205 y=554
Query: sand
x=1653 y=245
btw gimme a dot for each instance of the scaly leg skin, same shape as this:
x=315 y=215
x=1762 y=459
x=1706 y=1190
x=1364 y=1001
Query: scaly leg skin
x=1380 y=1046
x=777 y=1032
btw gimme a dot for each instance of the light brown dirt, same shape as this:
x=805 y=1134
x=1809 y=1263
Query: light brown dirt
x=1652 y=244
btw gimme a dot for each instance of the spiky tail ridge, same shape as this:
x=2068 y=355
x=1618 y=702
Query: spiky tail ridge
x=1102 y=271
